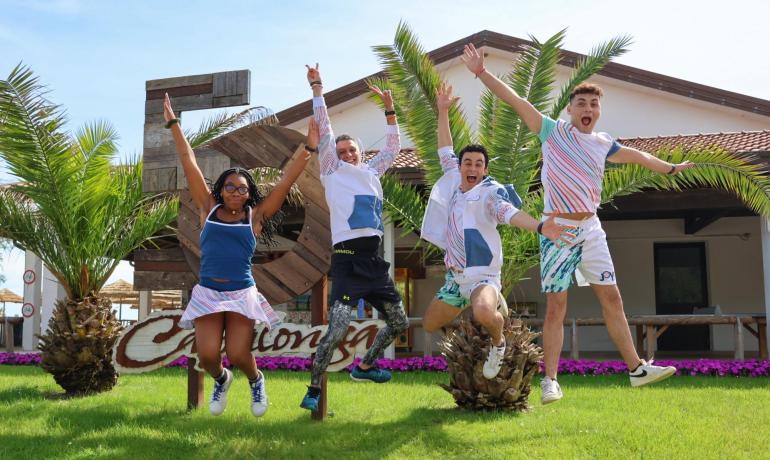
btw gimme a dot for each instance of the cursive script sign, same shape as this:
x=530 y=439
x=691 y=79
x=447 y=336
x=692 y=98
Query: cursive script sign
x=158 y=340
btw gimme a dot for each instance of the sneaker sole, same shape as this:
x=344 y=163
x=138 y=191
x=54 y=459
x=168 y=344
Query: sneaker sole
x=661 y=376
x=366 y=380
x=549 y=400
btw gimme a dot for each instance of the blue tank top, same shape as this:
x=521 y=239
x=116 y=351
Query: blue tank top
x=226 y=251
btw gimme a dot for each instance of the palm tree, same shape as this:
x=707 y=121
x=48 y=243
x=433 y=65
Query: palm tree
x=516 y=160
x=81 y=215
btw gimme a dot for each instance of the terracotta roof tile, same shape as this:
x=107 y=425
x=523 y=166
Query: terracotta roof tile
x=740 y=142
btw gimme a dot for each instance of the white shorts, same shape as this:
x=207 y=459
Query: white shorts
x=589 y=257
x=457 y=289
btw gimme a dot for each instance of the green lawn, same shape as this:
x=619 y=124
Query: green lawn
x=411 y=417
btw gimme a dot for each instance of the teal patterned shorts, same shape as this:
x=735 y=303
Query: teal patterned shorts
x=456 y=290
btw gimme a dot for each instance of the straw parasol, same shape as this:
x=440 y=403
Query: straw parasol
x=6 y=295
x=123 y=292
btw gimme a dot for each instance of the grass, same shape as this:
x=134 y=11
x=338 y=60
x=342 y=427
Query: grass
x=411 y=417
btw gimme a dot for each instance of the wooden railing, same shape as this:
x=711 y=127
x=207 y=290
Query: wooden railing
x=650 y=327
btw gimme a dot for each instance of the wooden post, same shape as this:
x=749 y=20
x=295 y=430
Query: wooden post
x=739 y=355
x=428 y=344
x=762 y=333
x=652 y=340
x=573 y=352
x=8 y=335
x=194 y=385
x=639 y=339
x=319 y=307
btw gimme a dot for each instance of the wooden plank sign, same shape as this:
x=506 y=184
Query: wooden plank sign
x=158 y=340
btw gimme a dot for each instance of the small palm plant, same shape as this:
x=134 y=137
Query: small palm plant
x=81 y=215
x=515 y=159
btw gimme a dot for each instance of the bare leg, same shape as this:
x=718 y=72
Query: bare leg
x=208 y=342
x=553 y=330
x=617 y=325
x=238 y=341
x=484 y=301
x=438 y=315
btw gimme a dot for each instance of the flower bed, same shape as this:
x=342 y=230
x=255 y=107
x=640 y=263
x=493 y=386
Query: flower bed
x=709 y=367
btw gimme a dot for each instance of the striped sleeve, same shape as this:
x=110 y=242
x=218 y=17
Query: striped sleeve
x=383 y=160
x=546 y=128
x=327 y=153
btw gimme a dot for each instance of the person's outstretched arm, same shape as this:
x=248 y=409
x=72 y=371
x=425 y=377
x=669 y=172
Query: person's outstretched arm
x=274 y=200
x=504 y=212
x=444 y=101
x=327 y=148
x=630 y=155
x=528 y=113
x=387 y=155
x=195 y=181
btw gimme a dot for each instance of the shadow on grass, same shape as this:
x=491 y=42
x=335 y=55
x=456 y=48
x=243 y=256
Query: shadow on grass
x=676 y=381
x=163 y=434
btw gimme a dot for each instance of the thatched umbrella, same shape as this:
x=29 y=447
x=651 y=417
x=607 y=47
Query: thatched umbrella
x=6 y=295
x=123 y=292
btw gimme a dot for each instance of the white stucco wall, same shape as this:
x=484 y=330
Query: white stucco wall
x=734 y=266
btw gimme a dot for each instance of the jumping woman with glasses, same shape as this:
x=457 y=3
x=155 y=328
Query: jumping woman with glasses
x=234 y=216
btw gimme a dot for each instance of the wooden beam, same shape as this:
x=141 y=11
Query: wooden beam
x=697 y=222
x=318 y=316
x=194 y=385
x=159 y=281
x=739 y=354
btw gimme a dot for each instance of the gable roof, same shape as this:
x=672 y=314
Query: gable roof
x=568 y=58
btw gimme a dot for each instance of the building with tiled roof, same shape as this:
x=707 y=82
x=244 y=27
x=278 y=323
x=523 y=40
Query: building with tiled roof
x=673 y=252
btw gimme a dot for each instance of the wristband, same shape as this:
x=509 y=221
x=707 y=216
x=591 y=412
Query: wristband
x=540 y=228
x=390 y=112
x=315 y=82
x=311 y=149
x=673 y=168
x=172 y=122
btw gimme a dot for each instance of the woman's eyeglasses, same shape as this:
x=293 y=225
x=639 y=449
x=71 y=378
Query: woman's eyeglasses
x=230 y=188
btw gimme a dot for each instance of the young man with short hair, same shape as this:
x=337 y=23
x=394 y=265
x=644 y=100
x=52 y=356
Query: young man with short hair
x=464 y=210
x=573 y=170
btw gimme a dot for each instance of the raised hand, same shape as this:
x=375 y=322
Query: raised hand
x=313 y=134
x=313 y=74
x=385 y=96
x=168 y=113
x=557 y=232
x=444 y=98
x=473 y=60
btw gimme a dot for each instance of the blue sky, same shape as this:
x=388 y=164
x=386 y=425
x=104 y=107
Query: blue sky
x=96 y=55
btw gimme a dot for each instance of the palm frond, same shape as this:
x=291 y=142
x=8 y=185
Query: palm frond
x=217 y=125
x=509 y=140
x=414 y=80
x=267 y=178
x=738 y=175
x=588 y=66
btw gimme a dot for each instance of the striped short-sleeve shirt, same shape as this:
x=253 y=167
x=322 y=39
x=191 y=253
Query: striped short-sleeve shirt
x=573 y=166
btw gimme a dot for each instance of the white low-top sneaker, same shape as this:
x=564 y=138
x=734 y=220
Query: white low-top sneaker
x=258 y=397
x=551 y=391
x=494 y=361
x=647 y=373
x=218 y=402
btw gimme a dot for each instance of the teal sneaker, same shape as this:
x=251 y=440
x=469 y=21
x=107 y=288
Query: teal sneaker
x=310 y=401
x=373 y=374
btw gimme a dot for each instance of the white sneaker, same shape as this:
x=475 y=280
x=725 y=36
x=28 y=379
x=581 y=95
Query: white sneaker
x=218 y=401
x=258 y=397
x=494 y=361
x=551 y=390
x=647 y=373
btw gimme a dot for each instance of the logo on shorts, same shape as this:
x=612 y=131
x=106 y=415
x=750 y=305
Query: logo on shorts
x=608 y=276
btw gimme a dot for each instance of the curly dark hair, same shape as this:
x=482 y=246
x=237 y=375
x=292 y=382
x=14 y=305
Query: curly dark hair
x=269 y=225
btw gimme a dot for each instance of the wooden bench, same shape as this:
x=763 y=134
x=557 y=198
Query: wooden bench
x=650 y=327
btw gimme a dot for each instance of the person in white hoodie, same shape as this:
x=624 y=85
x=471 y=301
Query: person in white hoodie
x=354 y=195
x=464 y=210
